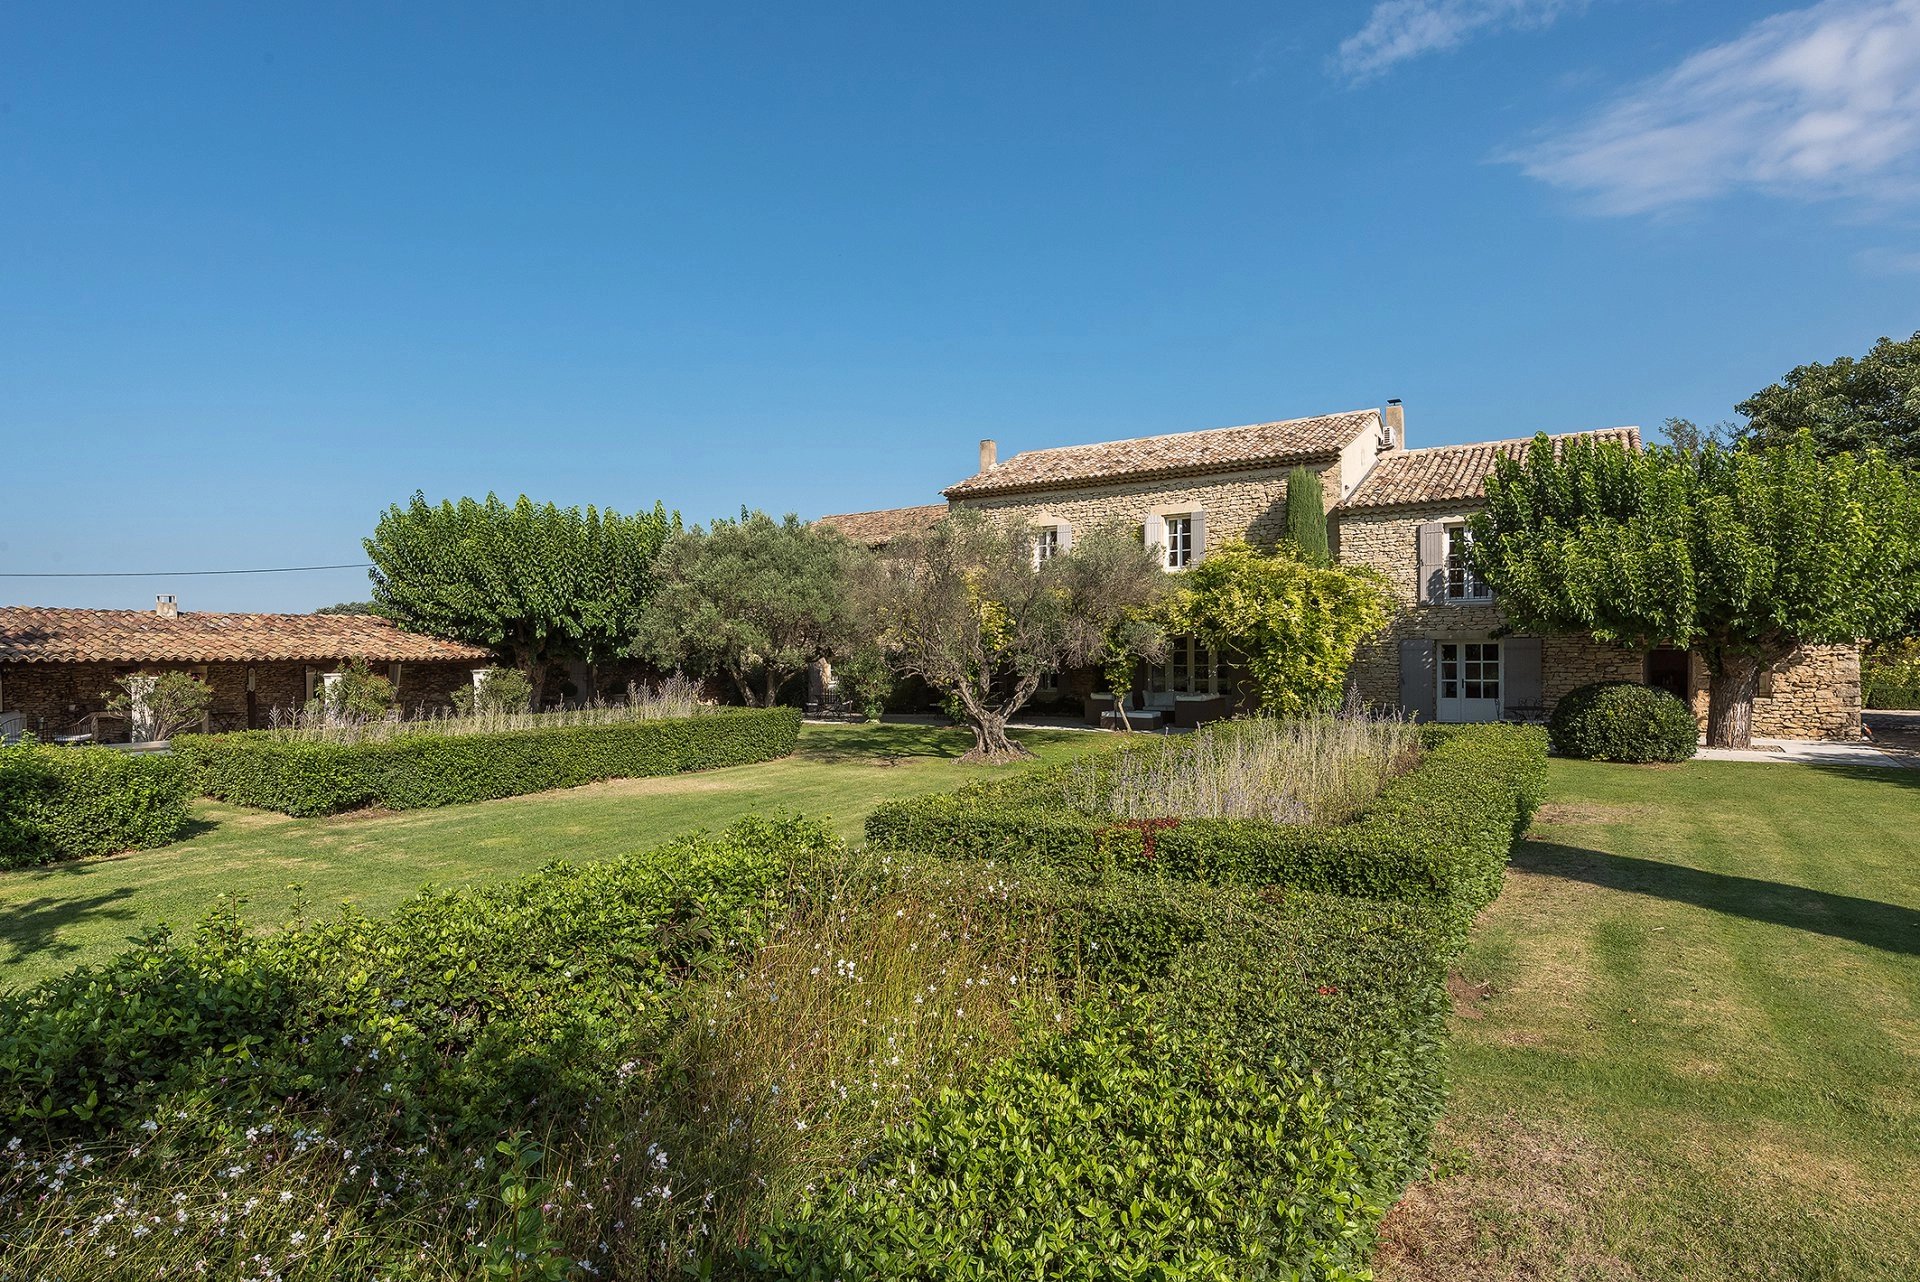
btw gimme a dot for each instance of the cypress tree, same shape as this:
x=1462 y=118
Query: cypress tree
x=1307 y=516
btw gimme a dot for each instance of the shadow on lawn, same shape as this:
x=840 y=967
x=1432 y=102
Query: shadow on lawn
x=33 y=927
x=883 y=743
x=1864 y=921
x=1898 y=777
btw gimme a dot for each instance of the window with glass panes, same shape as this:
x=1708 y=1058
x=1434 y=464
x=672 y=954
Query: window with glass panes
x=1179 y=541
x=1462 y=583
x=1046 y=543
x=1190 y=668
x=1470 y=670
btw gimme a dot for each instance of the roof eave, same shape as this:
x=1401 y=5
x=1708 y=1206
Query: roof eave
x=966 y=490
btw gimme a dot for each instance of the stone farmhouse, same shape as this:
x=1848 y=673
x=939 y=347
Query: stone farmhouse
x=57 y=665
x=1448 y=653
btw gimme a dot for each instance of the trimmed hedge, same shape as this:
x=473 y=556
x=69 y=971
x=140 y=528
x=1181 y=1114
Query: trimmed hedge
x=1437 y=835
x=461 y=1015
x=1623 y=721
x=415 y=771
x=69 y=803
x=1248 y=1085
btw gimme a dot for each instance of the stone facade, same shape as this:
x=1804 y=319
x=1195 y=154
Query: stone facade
x=1814 y=694
x=1248 y=505
x=51 y=698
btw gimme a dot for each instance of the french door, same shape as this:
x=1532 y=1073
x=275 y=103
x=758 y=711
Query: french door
x=1469 y=679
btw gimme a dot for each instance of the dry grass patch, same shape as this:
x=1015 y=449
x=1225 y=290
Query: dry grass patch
x=1519 y=1201
x=1558 y=813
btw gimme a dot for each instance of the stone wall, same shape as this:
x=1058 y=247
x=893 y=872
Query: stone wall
x=1814 y=694
x=1238 y=505
x=52 y=697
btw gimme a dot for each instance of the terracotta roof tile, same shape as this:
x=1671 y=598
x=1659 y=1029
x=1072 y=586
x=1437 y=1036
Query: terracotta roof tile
x=1219 y=449
x=1453 y=473
x=29 y=634
x=876 y=528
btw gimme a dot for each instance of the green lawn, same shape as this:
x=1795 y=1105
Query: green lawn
x=1700 y=1052
x=55 y=917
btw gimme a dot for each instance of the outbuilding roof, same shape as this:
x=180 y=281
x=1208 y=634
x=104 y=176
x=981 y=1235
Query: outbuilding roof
x=1218 y=449
x=1455 y=473
x=876 y=528
x=30 y=634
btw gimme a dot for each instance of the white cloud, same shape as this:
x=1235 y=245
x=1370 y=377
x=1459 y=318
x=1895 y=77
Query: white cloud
x=1398 y=30
x=1817 y=102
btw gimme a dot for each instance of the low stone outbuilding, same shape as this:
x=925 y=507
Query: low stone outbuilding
x=58 y=666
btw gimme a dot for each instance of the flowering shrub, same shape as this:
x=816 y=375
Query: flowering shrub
x=301 y=776
x=69 y=803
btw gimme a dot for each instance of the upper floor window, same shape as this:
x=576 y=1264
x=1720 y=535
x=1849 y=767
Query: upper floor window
x=1046 y=543
x=1179 y=542
x=1462 y=583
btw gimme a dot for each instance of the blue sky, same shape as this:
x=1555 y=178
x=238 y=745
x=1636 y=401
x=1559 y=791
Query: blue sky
x=264 y=272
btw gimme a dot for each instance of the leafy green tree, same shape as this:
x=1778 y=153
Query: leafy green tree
x=1307 y=516
x=495 y=690
x=1848 y=405
x=1294 y=626
x=360 y=694
x=348 y=607
x=1689 y=437
x=865 y=678
x=968 y=608
x=160 y=705
x=538 y=582
x=754 y=599
x=1743 y=555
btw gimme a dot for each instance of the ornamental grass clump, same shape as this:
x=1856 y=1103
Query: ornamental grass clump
x=1305 y=770
x=675 y=697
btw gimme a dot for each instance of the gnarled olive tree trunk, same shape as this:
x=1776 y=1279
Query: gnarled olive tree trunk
x=988 y=721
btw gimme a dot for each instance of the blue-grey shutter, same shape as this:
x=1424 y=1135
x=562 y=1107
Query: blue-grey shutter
x=1433 y=562
x=1417 y=677
x=1520 y=678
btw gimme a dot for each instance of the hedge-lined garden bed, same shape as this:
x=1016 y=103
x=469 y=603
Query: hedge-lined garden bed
x=1438 y=835
x=1066 y=1053
x=414 y=771
x=70 y=803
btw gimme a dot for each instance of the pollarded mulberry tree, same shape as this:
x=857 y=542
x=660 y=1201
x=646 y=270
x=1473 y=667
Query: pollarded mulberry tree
x=1743 y=555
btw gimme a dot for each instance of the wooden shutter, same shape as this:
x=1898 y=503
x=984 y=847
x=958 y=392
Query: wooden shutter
x=1433 y=562
x=1417 y=677
x=1521 y=679
x=1065 y=529
x=1199 y=534
x=1154 y=532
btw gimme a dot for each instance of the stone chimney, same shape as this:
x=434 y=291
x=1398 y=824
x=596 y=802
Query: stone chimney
x=989 y=455
x=167 y=607
x=1393 y=426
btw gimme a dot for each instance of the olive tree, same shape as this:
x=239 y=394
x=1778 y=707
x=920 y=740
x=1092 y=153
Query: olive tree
x=755 y=600
x=1742 y=555
x=970 y=607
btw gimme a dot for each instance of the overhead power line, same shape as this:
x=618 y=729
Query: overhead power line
x=170 y=574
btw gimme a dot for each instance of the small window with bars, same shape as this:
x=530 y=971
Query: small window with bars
x=1462 y=583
